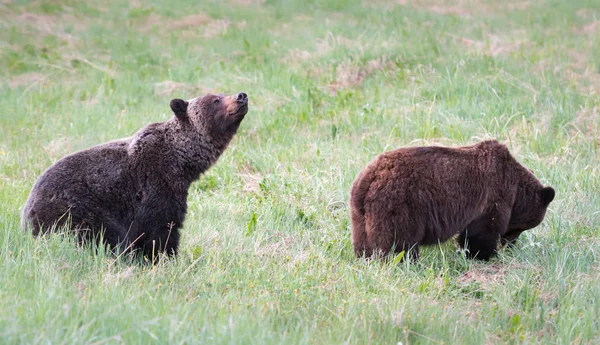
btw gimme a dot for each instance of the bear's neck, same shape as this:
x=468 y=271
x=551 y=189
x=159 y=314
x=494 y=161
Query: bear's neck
x=195 y=153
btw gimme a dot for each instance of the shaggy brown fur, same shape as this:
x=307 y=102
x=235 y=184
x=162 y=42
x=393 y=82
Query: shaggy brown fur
x=426 y=195
x=134 y=191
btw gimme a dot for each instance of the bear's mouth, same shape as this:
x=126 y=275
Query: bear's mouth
x=241 y=111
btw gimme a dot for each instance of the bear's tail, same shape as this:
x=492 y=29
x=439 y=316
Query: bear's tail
x=359 y=191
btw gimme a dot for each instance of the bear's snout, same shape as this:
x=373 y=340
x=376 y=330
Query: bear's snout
x=241 y=97
x=237 y=104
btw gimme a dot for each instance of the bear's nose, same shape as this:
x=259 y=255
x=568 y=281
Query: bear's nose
x=241 y=97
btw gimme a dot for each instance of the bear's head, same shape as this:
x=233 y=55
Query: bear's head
x=532 y=200
x=215 y=116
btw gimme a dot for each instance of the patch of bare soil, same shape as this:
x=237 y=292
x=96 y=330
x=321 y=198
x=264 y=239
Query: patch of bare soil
x=486 y=275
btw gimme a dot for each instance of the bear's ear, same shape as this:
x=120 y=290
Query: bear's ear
x=547 y=195
x=179 y=107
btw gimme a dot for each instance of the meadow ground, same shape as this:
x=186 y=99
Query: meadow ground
x=266 y=256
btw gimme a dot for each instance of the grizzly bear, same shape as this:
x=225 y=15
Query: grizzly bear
x=426 y=195
x=133 y=192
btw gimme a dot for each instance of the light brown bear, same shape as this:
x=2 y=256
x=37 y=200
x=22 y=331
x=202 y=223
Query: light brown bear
x=426 y=195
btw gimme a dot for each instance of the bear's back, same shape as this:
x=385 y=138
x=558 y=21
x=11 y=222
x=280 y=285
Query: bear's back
x=90 y=168
x=97 y=177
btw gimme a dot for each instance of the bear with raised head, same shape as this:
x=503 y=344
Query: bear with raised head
x=426 y=195
x=132 y=192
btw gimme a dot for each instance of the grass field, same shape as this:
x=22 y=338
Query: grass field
x=266 y=256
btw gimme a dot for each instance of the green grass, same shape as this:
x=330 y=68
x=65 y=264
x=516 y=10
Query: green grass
x=266 y=256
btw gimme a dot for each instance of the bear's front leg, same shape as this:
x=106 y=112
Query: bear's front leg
x=480 y=238
x=155 y=233
x=482 y=247
x=511 y=237
x=162 y=240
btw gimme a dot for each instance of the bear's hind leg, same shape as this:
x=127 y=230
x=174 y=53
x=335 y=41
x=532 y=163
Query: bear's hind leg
x=359 y=234
x=389 y=233
x=409 y=251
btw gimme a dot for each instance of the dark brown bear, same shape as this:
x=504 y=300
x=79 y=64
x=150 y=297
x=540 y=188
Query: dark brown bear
x=426 y=195
x=133 y=192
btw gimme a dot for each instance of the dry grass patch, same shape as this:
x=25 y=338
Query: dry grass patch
x=252 y=179
x=268 y=101
x=26 y=79
x=189 y=26
x=217 y=27
x=579 y=71
x=575 y=69
x=295 y=57
x=382 y=63
x=459 y=8
x=59 y=147
x=324 y=46
x=114 y=278
x=246 y=2
x=331 y=42
x=349 y=74
x=49 y=23
x=189 y=22
x=280 y=247
x=494 y=45
x=588 y=29
x=587 y=122
x=62 y=25
x=170 y=87
x=444 y=9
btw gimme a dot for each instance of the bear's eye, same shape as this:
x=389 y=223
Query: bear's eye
x=217 y=101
